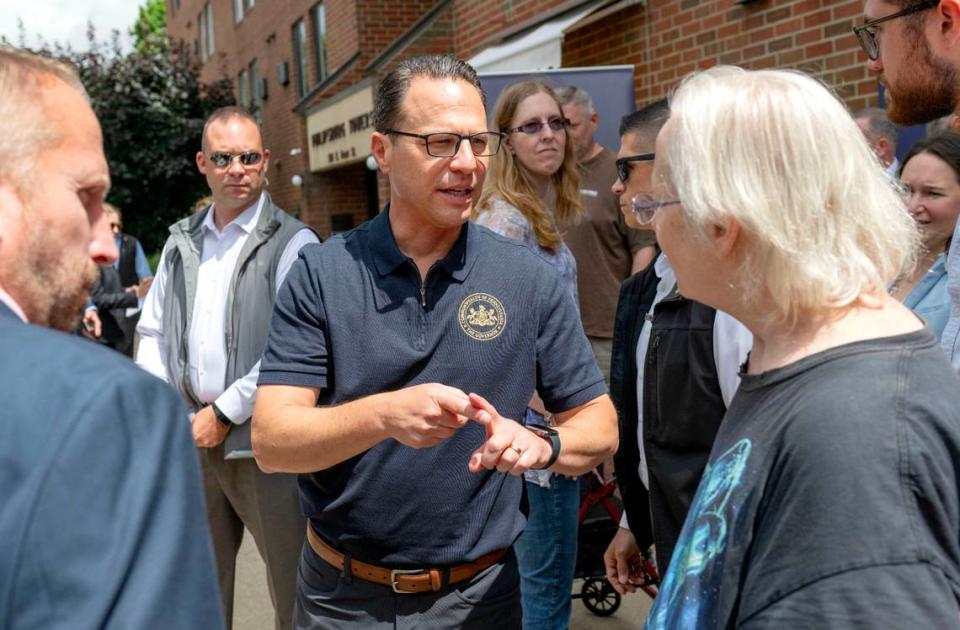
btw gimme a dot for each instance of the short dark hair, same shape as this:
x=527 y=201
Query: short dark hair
x=647 y=120
x=945 y=146
x=225 y=113
x=878 y=123
x=393 y=88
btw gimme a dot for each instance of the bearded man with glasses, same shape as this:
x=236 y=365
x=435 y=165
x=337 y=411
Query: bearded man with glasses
x=913 y=46
x=203 y=328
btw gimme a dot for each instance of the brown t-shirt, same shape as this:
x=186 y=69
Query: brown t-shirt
x=602 y=244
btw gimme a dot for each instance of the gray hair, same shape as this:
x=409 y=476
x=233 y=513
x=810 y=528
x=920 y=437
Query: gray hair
x=393 y=88
x=820 y=221
x=577 y=96
x=878 y=124
x=25 y=128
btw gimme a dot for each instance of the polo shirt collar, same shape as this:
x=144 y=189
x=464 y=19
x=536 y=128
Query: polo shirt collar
x=387 y=255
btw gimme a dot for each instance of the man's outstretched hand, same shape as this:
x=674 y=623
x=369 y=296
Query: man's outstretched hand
x=510 y=447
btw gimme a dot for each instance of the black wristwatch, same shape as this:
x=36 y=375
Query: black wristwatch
x=221 y=417
x=548 y=433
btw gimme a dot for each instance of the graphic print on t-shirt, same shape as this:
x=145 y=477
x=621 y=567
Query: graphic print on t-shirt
x=688 y=595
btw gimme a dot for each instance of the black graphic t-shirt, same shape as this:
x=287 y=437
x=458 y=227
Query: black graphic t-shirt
x=830 y=499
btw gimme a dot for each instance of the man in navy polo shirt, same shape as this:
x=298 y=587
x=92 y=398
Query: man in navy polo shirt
x=376 y=339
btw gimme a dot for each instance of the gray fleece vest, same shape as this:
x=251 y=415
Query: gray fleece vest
x=249 y=306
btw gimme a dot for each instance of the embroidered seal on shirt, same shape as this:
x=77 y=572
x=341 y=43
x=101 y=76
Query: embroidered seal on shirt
x=482 y=316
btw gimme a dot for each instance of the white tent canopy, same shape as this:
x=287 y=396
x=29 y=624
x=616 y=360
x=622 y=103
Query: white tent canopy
x=539 y=49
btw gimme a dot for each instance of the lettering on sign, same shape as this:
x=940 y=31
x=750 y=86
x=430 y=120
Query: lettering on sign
x=339 y=133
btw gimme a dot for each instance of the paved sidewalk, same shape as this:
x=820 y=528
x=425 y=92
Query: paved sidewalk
x=252 y=610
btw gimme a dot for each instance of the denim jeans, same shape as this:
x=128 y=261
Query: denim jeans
x=547 y=553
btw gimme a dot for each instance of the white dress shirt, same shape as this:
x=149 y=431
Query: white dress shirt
x=731 y=344
x=206 y=350
x=7 y=299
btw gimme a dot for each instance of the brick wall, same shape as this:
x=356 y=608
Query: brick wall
x=664 y=40
x=264 y=34
x=340 y=191
x=670 y=38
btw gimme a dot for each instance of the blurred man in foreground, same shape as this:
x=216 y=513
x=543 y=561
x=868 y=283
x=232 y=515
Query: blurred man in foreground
x=101 y=521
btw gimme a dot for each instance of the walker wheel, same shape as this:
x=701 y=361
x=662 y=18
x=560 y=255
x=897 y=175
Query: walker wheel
x=599 y=597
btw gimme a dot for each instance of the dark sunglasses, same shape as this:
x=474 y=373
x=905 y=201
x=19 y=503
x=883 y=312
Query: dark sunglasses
x=623 y=164
x=867 y=32
x=530 y=128
x=247 y=158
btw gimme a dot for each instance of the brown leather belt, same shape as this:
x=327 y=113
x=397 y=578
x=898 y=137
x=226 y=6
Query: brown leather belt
x=403 y=580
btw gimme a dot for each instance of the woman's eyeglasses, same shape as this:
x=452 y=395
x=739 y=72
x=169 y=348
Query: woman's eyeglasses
x=645 y=206
x=556 y=124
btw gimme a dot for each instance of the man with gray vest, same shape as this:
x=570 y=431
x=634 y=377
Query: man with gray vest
x=203 y=328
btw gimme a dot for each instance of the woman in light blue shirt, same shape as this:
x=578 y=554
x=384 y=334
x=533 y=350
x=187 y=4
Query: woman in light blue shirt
x=931 y=175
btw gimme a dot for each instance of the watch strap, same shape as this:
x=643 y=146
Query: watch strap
x=549 y=433
x=221 y=417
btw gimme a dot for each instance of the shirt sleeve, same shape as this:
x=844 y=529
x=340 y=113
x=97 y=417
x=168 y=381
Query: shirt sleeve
x=731 y=344
x=118 y=537
x=507 y=221
x=236 y=402
x=141 y=263
x=150 y=328
x=296 y=352
x=567 y=372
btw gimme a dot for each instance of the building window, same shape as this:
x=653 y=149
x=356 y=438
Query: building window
x=256 y=91
x=300 y=56
x=205 y=32
x=243 y=89
x=240 y=8
x=319 y=20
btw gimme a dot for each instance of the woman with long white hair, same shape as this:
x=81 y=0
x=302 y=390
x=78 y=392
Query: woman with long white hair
x=831 y=495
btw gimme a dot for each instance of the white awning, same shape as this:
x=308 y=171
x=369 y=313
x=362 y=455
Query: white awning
x=539 y=49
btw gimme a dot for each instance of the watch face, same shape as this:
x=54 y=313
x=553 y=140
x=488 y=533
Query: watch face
x=544 y=432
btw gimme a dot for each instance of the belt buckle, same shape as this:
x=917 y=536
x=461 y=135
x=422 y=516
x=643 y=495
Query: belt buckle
x=394 y=573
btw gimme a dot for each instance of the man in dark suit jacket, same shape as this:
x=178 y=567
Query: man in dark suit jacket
x=101 y=516
x=112 y=299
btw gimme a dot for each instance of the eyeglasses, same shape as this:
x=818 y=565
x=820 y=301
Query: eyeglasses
x=645 y=206
x=867 y=33
x=555 y=123
x=115 y=226
x=623 y=168
x=247 y=158
x=447 y=144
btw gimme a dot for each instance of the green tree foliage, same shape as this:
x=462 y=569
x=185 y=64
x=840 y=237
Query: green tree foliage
x=151 y=105
x=151 y=20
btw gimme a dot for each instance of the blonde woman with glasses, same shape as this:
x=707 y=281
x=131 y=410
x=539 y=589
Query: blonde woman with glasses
x=532 y=187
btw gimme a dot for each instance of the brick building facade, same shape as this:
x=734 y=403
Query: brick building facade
x=304 y=63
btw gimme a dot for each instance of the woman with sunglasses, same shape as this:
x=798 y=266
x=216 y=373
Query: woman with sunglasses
x=532 y=187
x=931 y=177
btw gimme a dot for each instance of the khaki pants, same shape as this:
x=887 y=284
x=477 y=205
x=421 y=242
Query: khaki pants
x=240 y=495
